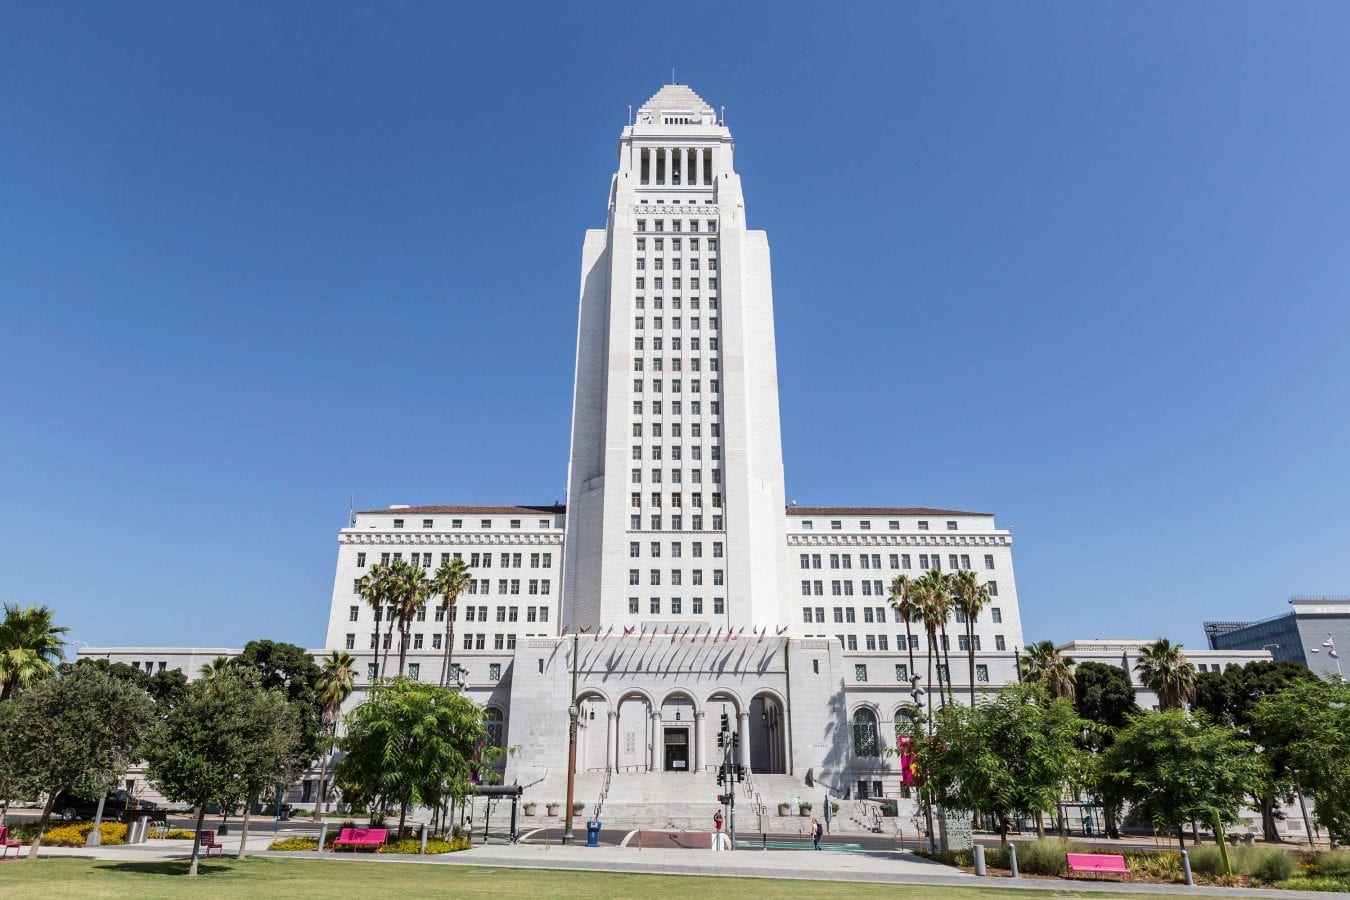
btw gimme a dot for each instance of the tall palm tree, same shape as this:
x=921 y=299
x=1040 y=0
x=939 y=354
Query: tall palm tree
x=334 y=686
x=30 y=646
x=1163 y=668
x=1045 y=664
x=410 y=599
x=970 y=598
x=375 y=588
x=902 y=601
x=450 y=580
x=932 y=604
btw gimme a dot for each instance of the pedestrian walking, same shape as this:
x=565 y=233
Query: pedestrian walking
x=817 y=831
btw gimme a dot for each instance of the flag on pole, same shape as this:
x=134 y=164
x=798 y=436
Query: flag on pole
x=629 y=629
x=782 y=630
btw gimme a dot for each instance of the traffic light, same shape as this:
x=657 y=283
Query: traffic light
x=721 y=741
x=735 y=740
x=726 y=722
x=721 y=779
x=722 y=799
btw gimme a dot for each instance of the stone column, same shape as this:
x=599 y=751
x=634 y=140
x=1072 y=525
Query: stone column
x=744 y=728
x=655 y=732
x=667 y=154
x=612 y=740
x=698 y=741
x=698 y=166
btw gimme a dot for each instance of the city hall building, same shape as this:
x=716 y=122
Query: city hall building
x=676 y=580
x=676 y=585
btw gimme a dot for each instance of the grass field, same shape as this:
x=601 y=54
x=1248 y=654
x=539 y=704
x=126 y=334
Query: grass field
x=326 y=878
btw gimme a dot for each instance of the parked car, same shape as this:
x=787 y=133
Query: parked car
x=115 y=806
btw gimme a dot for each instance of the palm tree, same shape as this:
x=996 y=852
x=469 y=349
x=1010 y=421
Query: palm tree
x=450 y=580
x=932 y=604
x=217 y=666
x=1045 y=664
x=410 y=599
x=1164 y=669
x=30 y=646
x=970 y=597
x=335 y=685
x=902 y=601
x=375 y=587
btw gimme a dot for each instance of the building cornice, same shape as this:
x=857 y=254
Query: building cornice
x=830 y=539
x=407 y=539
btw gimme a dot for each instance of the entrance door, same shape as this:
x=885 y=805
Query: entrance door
x=677 y=749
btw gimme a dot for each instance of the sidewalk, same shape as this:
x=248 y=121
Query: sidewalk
x=885 y=867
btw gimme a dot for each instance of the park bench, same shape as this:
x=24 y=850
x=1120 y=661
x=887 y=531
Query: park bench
x=1098 y=864
x=361 y=837
x=210 y=843
x=6 y=842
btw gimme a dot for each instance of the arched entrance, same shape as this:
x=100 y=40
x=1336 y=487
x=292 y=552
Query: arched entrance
x=593 y=733
x=768 y=736
x=635 y=733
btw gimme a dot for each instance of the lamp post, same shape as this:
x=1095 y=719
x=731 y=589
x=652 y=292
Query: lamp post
x=572 y=713
x=1330 y=644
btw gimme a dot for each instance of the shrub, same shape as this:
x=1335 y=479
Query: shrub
x=414 y=846
x=1046 y=856
x=996 y=858
x=1270 y=864
x=75 y=834
x=1315 y=883
x=1206 y=860
x=180 y=834
x=1332 y=863
x=295 y=843
x=1164 y=865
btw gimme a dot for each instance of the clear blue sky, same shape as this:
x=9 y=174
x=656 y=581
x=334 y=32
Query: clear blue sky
x=1083 y=265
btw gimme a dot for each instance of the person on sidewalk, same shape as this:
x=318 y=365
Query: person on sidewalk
x=817 y=830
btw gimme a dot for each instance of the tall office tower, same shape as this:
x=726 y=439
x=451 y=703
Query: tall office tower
x=675 y=510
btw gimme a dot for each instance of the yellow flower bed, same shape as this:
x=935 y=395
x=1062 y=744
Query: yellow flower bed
x=75 y=834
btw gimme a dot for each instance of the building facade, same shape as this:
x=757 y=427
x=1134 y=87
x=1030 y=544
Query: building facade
x=676 y=587
x=1124 y=654
x=1312 y=633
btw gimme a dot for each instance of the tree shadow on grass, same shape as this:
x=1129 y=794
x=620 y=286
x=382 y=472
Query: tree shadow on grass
x=166 y=867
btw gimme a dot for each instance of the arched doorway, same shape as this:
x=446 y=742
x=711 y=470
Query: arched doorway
x=724 y=709
x=634 y=733
x=593 y=733
x=865 y=743
x=768 y=736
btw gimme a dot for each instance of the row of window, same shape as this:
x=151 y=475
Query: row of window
x=902 y=674
x=492 y=717
x=881 y=642
x=877 y=614
x=676 y=522
x=658 y=364
x=866 y=525
x=676 y=498
x=676 y=549
x=482 y=523
x=676 y=576
x=677 y=341
x=508 y=560
x=677 y=264
x=504 y=613
x=677 y=409
x=676 y=225
x=695 y=431
x=872 y=588
x=676 y=244
x=676 y=387
x=676 y=322
x=897 y=560
x=676 y=606
x=654 y=451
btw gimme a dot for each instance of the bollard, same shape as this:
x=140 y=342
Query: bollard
x=423 y=851
x=763 y=840
x=979 y=860
x=1186 y=868
x=1012 y=859
x=323 y=837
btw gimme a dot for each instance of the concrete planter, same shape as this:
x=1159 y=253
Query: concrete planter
x=552 y=808
x=530 y=809
x=785 y=809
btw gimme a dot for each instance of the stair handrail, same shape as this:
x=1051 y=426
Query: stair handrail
x=604 y=793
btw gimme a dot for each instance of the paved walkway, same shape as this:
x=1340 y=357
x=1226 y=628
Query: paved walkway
x=886 y=867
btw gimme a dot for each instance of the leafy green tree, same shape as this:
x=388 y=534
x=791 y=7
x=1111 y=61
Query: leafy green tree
x=335 y=686
x=31 y=646
x=1012 y=756
x=450 y=581
x=77 y=732
x=411 y=743
x=1045 y=665
x=1104 y=696
x=1163 y=668
x=1230 y=698
x=1174 y=768
x=1306 y=726
x=226 y=736
x=969 y=597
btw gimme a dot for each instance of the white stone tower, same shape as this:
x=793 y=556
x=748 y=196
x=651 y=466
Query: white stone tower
x=675 y=505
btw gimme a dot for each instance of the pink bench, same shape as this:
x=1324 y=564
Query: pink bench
x=6 y=842
x=361 y=837
x=1098 y=864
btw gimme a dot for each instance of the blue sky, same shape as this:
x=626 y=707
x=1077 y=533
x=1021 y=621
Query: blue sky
x=1082 y=265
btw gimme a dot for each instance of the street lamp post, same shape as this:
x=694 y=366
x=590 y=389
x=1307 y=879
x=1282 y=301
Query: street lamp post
x=1330 y=644
x=572 y=713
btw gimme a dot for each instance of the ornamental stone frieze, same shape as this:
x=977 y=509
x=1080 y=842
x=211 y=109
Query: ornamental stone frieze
x=452 y=540
x=898 y=540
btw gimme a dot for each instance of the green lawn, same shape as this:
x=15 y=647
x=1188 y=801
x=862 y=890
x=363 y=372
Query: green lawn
x=324 y=878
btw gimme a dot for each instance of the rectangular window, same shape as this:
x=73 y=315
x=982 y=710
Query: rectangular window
x=999 y=643
x=901 y=672
x=981 y=673
x=360 y=560
x=353 y=613
x=996 y=614
x=993 y=588
x=852 y=641
x=655 y=606
x=632 y=605
x=351 y=642
x=860 y=673
x=989 y=560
